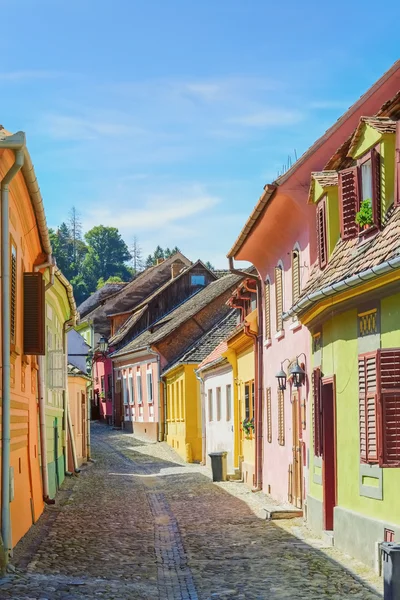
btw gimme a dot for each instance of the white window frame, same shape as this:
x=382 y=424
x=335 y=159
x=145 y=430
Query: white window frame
x=125 y=395
x=210 y=404
x=139 y=388
x=150 y=386
x=228 y=402
x=131 y=389
x=218 y=403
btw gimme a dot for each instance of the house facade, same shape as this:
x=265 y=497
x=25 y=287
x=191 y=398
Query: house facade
x=79 y=417
x=286 y=220
x=351 y=306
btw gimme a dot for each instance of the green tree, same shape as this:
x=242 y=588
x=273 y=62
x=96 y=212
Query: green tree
x=209 y=266
x=107 y=253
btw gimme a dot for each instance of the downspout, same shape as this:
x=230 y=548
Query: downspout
x=259 y=375
x=6 y=349
x=42 y=402
x=203 y=417
x=153 y=353
x=165 y=413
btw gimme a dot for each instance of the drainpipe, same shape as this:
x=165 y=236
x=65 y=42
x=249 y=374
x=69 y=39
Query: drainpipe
x=203 y=417
x=165 y=412
x=6 y=366
x=259 y=375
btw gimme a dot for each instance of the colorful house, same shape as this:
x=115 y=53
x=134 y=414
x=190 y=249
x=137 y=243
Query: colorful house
x=279 y=240
x=26 y=254
x=351 y=306
x=60 y=310
x=138 y=365
x=184 y=410
x=219 y=412
x=79 y=384
x=241 y=355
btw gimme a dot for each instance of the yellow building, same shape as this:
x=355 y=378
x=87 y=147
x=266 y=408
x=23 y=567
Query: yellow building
x=184 y=422
x=240 y=355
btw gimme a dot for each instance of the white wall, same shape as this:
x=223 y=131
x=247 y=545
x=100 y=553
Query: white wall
x=219 y=432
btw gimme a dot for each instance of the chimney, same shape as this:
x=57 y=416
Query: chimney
x=175 y=269
x=159 y=261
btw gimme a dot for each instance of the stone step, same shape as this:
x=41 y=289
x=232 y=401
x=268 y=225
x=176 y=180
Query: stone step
x=276 y=513
x=328 y=538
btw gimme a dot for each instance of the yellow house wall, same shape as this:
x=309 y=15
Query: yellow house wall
x=245 y=373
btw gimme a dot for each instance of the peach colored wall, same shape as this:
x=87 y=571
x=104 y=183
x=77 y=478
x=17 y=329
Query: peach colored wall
x=77 y=387
x=27 y=505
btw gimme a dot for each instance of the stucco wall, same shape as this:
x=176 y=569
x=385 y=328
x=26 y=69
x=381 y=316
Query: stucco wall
x=245 y=370
x=219 y=433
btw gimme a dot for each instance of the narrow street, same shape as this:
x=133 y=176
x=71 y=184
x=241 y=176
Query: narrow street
x=135 y=525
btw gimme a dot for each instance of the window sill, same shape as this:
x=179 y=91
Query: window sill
x=295 y=326
x=268 y=343
x=279 y=335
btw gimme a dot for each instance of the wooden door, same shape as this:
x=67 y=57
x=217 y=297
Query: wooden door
x=328 y=453
x=84 y=426
x=297 y=466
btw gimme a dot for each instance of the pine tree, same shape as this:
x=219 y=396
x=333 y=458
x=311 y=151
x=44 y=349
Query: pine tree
x=137 y=256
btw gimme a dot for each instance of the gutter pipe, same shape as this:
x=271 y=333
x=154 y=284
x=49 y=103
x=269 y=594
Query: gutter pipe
x=6 y=345
x=259 y=374
x=340 y=286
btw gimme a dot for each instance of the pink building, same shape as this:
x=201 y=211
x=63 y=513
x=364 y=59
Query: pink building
x=279 y=239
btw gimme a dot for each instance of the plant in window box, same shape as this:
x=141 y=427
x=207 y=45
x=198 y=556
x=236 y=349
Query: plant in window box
x=248 y=427
x=364 y=217
x=102 y=395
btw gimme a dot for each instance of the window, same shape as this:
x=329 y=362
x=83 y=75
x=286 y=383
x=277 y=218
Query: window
x=182 y=401
x=279 y=298
x=210 y=405
x=149 y=379
x=198 y=280
x=229 y=403
x=249 y=399
x=131 y=389
x=102 y=386
x=172 y=402
x=34 y=314
x=109 y=385
x=13 y=293
x=267 y=310
x=379 y=407
x=269 y=415
x=321 y=233
x=125 y=390
x=317 y=411
x=295 y=276
x=370 y=183
x=281 y=418
x=139 y=388
x=218 y=402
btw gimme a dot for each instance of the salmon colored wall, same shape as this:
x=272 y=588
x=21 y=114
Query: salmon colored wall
x=103 y=368
x=27 y=505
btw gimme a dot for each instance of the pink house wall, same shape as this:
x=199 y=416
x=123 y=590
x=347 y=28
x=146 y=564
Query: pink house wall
x=103 y=368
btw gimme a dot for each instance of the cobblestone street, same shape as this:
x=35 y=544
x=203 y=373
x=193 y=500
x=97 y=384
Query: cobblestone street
x=138 y=524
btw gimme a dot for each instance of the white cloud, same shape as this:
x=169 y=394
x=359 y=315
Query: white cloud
x=65 y=127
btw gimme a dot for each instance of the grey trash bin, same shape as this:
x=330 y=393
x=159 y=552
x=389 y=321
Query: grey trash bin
x=218 y=465
x=391 y=570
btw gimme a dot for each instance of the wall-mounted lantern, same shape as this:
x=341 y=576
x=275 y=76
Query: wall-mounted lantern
x=103 y=345
x=298 y=375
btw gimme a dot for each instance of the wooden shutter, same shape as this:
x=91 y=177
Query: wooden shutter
x=349 y=202
x=321 y=233
x=376 y=186
x=279 y=298
x=13 y=293
x=267 y=310
x=281 y=418
x=34 y=314
x=295 y=276
x=269 y=415
x=317 y=411
x=397 y=166
x=389 y=431
x=367 y=394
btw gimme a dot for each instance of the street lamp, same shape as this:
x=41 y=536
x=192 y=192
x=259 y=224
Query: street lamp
x=103 y=345
x=298 y=374
x=281 y=377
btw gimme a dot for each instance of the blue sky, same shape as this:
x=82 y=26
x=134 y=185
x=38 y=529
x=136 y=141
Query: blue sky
x=165 y=118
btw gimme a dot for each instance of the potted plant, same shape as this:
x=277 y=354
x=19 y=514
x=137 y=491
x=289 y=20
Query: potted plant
x=248 y=427
x=364 y=217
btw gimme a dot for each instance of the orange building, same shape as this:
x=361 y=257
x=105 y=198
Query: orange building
x=25 y=254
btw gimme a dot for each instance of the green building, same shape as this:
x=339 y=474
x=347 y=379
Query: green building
x=351 y=305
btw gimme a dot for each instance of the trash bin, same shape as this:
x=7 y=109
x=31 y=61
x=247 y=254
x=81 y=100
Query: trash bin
x=218 y=465
x=391 y=570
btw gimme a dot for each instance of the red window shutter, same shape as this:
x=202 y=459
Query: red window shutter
x=321 y=233
x=376 y=186
x=389 y=455
x=317 y=411
x=368 y=395
x=34 y=314
x=349 y=202
x=397 y=166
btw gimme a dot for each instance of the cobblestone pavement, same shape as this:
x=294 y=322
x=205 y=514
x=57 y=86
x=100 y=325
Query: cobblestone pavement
x=139 y=524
